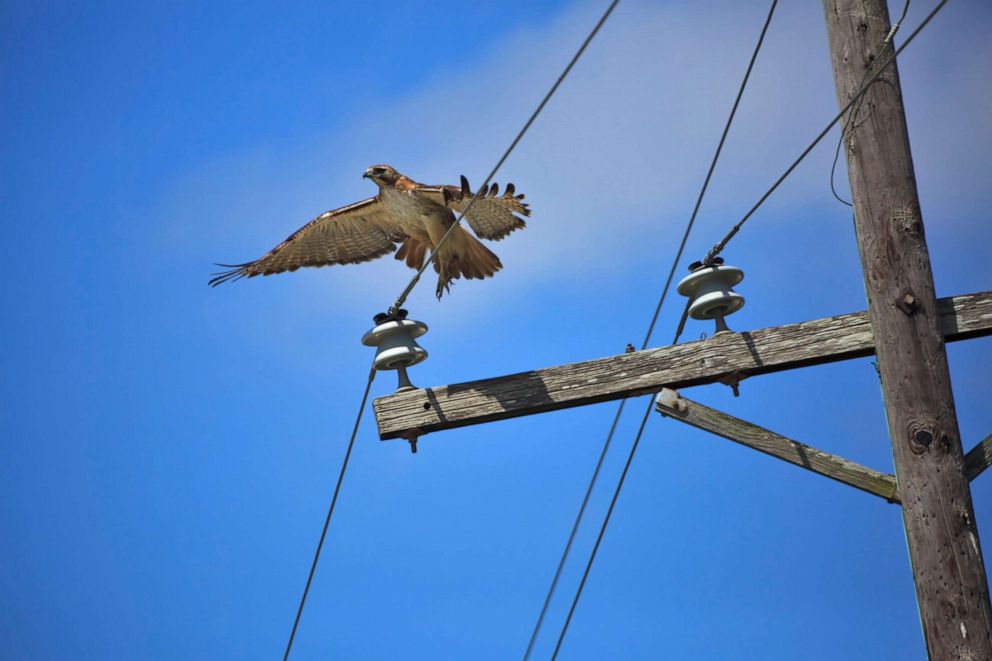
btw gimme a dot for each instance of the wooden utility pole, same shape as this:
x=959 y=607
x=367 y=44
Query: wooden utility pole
x=951 y=584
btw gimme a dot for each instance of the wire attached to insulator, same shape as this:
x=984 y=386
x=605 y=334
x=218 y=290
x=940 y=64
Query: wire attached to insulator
x=401 y=299
x=644 y=344
x=718 y=248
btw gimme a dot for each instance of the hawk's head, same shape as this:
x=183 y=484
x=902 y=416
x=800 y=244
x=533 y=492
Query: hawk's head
x=382 y=175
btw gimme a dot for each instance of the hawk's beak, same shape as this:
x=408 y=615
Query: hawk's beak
x=367 y=174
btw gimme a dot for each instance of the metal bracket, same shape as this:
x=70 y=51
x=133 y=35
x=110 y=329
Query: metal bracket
x=734 y=381
x=668 y=402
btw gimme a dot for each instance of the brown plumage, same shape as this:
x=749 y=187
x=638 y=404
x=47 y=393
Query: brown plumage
x=406 y=213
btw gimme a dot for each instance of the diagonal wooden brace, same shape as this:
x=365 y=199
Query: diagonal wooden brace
x=671 y=404
x=978 y=458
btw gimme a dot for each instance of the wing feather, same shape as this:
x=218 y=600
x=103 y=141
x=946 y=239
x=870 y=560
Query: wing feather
x=356 y=233
x=493 y=216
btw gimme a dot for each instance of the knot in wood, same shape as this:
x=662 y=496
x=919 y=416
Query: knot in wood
x=920 y=437
x=908 y=220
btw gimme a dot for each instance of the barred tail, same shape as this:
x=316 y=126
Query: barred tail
x=477 y=261
x=413 y=252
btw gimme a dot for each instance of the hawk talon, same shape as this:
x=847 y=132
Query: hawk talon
x=443 y=286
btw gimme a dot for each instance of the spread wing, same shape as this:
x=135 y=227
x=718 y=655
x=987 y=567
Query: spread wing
x=493 y=216
x=356 y=233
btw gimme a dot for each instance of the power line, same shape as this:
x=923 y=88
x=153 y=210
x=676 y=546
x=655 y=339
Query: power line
x=547 y=97
x=330 y=511
x=602 y=530
x=609 y=512
x=716 y=249
x=644 y=344
x=709 y=173
x=406 y=292
x=709 y=258
x=575 y=529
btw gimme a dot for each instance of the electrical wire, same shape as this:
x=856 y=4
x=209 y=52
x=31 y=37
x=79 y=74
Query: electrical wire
x=853 y=116
x=716 y=249
x=547 y=97
x=330 y=511
x=709 y=259
x=575 y=529
x=709 y=173
x=602 y=529
x=644 y=344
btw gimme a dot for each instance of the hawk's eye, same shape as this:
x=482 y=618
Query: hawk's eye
x=378 y=171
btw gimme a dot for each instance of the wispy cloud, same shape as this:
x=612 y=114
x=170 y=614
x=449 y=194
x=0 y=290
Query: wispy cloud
x=613 y=165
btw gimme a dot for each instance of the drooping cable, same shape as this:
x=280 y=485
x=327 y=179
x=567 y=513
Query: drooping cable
x=716 y=249
x=647 y=337
x=853 y=115
x=330 y=512
x=547 y=97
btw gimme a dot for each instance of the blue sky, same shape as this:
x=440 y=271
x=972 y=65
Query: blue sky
x=169 y=450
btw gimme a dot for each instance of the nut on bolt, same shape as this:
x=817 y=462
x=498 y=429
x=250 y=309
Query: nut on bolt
x=907 y=303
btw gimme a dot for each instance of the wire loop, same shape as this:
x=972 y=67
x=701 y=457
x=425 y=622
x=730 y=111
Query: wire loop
x=718 y=248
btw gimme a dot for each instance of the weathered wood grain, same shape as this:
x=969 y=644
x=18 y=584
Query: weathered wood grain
x=978 y=458
x=763 y=440
x=763 y=351
x=944 y=547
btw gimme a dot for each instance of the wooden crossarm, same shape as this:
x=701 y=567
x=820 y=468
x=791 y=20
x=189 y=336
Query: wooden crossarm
x=727 y=355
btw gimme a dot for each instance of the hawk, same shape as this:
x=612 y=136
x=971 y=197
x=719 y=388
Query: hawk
x=404 y=213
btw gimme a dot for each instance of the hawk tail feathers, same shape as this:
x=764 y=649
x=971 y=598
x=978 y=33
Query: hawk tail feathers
x=476 y=261
x=234 y=272
x=413 y=252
